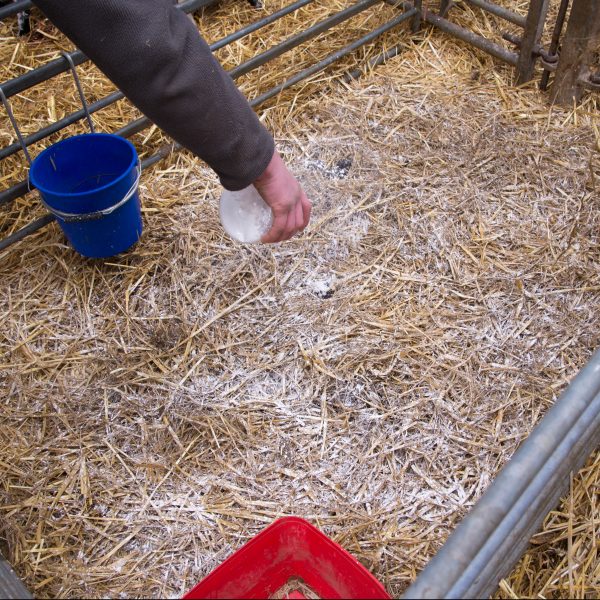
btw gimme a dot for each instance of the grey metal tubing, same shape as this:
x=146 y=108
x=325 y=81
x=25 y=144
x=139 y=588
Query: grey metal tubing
x=303 y=36
x=540 y=498
x=472 y=38
x=463 y=34
x=14 y=8
x=13 y=192
x=333 y=57
x=499 y=11
x=56 y=67
x=374 y=62
x=11 y=586
x=25 y=231
x=15 y=125
x=116 y=96
x=259 y=24
x=492 y=536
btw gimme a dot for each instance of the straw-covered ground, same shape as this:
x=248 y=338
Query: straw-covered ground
x=160 y=408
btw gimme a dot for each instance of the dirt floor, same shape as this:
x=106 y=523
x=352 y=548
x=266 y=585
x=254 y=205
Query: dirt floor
x=372 y=376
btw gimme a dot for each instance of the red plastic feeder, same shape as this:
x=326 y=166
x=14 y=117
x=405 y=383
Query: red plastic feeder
x=289 y=549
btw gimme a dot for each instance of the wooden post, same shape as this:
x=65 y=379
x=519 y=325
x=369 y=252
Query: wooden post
x=534 y=26
x=581 y=39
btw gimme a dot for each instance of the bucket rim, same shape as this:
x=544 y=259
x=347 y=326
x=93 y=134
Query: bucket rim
x=44 y=189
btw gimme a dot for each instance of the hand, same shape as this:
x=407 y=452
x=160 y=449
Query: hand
x=290 y=206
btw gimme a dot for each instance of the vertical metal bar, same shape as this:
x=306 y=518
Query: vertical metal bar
x=558 y=27
x=534 y=26
x=445 y=6
x=581 y=39
x=415 y=22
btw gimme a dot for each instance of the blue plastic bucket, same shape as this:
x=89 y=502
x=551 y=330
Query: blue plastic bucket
x=90 y=183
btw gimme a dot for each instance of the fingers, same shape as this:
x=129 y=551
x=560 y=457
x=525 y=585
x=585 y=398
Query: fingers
x=299 y=214
x=275 y=234
x=290 y=227
x=282 y=192
x=306 y=209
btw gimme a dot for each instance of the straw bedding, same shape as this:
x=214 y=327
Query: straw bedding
x=373 y=376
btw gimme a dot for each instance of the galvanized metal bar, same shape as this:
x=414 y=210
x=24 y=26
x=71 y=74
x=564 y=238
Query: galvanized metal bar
x=374 y=62
x=556 y=33
x=323 y=64
x=445 y=6
x=259 y=24
x=415 y=23
x=84 y=104
x=56 y=67
x=534 y=26
x=14 y=8
x=550 y=485
x=24 y=232
x=484 y=547
x=11 y=587
x=40 y=74
x=299 y=38
x=581 y=39
x=499 y=11
x=13 y=192
x=464 y=34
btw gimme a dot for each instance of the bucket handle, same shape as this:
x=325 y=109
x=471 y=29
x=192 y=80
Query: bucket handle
x=15 y=125
x=97 y=214
x=84 y=103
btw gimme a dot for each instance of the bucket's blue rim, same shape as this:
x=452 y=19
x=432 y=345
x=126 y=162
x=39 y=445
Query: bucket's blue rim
x=134 y=161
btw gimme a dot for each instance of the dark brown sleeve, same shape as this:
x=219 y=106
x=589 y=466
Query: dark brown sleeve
x=155 y=55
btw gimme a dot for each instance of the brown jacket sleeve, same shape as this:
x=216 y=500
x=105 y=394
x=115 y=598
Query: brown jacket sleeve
x=155 y=55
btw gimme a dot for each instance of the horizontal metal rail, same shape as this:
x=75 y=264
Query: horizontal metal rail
x=462 y=34
x=60 y=65
x=300 y=38
x=499 y=11
x=374 y=62
x=472 y=38
x=240 y=33
x=492 y=537
x=323 y=64
x=14 y=8
x=116 y=96
x=27 y=230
